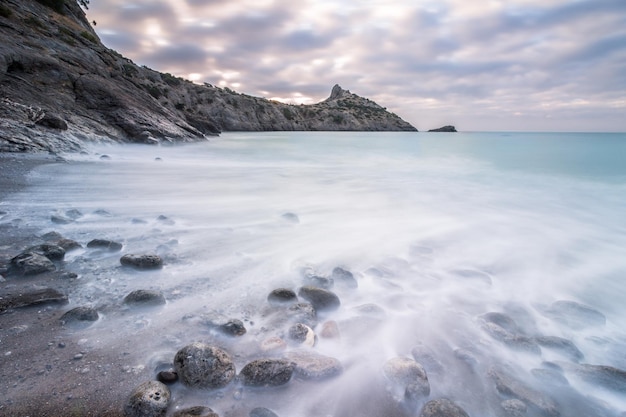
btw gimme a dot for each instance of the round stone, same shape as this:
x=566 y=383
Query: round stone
x=204 y=366
x=148 y=261
x=267 y=372
x=149 y=399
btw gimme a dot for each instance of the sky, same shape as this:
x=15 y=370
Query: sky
x=481 y=65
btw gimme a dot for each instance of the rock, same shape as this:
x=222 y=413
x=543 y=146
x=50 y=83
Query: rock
x=501 y=320
x=330 y=330
x=290 y=217
x=230 y=327
x=501 y=327
x=149 y=399
x=408 y=375
x=303 y=313
x=320 y=298
x=575 y=315
x=262 y=412
x=550 y=376
x=68 y=244
x=281 y=296
x=59 y=219
x=167 y=377
x=273 y=344
x=607 y=377
x=370 y=310
x=514 y=407
x=52 y=121
x=31 y=263
x=145 y=298
x=105 y=244
x=79 y=315
x=32 y=298
x=344 y=278
x=52 y=252
x=311 y=365
x=319 y=281
x=442 y=407
x=267 y=372
x=203 y=366
x=302 y=334
x=148 y=261
x=508 y=385
x=447 y=128
x=561 y=345
x=427 y=358
x=197 y=411
x=74 y=214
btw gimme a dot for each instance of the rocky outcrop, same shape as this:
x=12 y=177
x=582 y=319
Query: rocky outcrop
x=447 y=128
x=60 y=87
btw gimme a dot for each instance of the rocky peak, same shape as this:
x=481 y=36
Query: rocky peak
x=337 y=92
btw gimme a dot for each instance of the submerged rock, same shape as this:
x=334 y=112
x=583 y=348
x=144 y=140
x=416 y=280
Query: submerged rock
x=344 y=278
x=409 y=376
x=290 y=217
x=575 y=315
x=508 y=385
x=36 y=297
x=145 y=298
x=514 y=407
x=105 y=244
x=149 y=399
x=31 y=263
x=262 y=412
x=564 y=346
x=311 y=365
x=320 y=298
x=427 y=358
x=442 y=407
x=204 y=366
x=267 y=372
x=197 y=411
x=304 y=313
x=607 y=377
x=147 y=261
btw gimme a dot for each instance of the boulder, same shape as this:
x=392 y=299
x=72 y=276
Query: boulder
x=167 y=377
x=204 y=366
x=147 y=261
x=320 y=298
x=506 y=384
x=80 y=315
x=52 y=252
x=442 y=407
x=267 y=372
x=303 y=313
x=31 y=298
x=149 y=399
x=31 y=263
x=145 y=298
x=302 y=334
x=281 y=296
x=311 y=365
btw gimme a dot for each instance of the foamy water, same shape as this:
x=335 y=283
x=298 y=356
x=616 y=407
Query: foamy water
x=437 y=229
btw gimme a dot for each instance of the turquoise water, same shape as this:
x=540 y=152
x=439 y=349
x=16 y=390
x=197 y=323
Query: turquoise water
x=438 y=229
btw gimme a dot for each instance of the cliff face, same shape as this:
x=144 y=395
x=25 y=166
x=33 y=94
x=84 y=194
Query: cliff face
x=60 y=87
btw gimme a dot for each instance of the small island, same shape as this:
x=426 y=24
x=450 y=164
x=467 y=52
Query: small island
x=447 y=128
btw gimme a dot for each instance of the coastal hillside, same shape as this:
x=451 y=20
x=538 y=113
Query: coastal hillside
x=60 y=87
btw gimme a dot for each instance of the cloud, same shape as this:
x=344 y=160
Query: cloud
x=419 y=58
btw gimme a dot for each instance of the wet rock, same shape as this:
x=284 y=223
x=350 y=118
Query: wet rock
x=267 y=372
x=80 y=315
x=105 y=244
x=52 y=236
x=319 y=281
x=167 y=377
x=607 y=377
x=229 y=327
x=204 y=366
x=502 y=320
x=262 y=412
x=409 y=376
x=514 y=407
x=197 y=411
x=31 y=263
x=147 y=261
x=281 y=296
x=561 y=345
x=508 y=385
x=427 y=358
x=575 y=315
x=74 y=214
x=303 y=313
x=330 y=330
x=550 y=376
x=36 y=297
x=60 y=219
x=370 y=310
x=344 y=278
x=466 y=356
x=273 y=344
x=68 y=244
x=320 y=298
x=149 y=399
x=165 y=220
x=442 y=407
x=512 y=340
x=311 y=365
x=144 y=298
x=52 y=252
x=302 y=334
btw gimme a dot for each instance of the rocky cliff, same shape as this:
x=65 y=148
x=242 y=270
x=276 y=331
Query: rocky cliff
x=60 y=87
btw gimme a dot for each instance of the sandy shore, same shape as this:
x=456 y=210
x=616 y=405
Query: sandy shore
x=46 y=369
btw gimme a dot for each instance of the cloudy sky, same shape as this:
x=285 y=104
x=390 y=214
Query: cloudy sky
x=556 y=65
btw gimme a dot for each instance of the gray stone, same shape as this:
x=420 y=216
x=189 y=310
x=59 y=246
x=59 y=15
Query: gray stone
x=149 y=399
x=506 y=384
x=607 y=377
x=105 y=244
x=303 y=313
x=167 y=377
x=291 y=217
x=52 y=252
x=147 y=261
x=197 y=411
x=31 y=263
x=442 y=407
x=514 y=407
x=80 y=315
x=281 y=296
x=68 y=244
x=32 y=298
x=229 y=327
x=409 y=375
x=266 y=372
x=262 y=412
x=145 y=298
x=311 y=365
x=447 y=128
x=302 y=334
x=344 y=278
x=204 y=366
x=320 y=298
x=427 y=358
x=564 y=346
x=575 y=315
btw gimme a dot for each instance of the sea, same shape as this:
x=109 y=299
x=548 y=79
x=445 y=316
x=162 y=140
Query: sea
x=495 y=260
